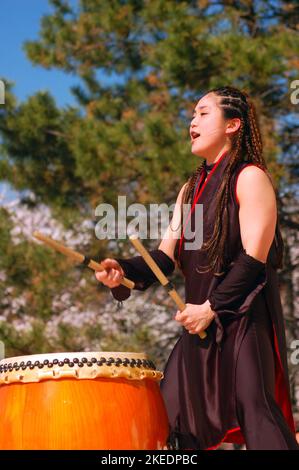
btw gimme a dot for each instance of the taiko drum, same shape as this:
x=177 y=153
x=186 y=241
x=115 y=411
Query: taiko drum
x=91 y=400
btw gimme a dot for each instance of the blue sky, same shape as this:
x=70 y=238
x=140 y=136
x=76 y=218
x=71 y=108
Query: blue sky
x=20 y=21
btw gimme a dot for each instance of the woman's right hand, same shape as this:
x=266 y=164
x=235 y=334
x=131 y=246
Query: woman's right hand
x=112 y=274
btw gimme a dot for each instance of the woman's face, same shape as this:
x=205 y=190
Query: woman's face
x=209 y=131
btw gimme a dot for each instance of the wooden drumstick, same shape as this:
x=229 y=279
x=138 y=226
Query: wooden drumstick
x=160 y=275
x=78 y=257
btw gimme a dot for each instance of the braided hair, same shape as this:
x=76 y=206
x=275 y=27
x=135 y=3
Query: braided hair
x=246 y=145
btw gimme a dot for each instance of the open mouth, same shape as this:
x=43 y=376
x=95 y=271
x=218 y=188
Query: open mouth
x=194 y=135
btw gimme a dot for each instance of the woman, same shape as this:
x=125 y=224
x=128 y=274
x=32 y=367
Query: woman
x=232 y=386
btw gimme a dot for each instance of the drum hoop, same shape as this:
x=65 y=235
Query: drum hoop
x=87 y=365
x=71 y=355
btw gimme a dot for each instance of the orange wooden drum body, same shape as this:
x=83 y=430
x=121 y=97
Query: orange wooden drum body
x=81 y=401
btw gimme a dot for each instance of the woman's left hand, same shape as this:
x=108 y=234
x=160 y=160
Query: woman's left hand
x=196 y=317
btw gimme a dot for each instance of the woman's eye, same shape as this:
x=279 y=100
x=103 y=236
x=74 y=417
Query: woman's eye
x=201 y=114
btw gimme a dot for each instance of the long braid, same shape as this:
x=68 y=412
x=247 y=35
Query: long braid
x=187 y=196
x=246 y=145
x=193 y=179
